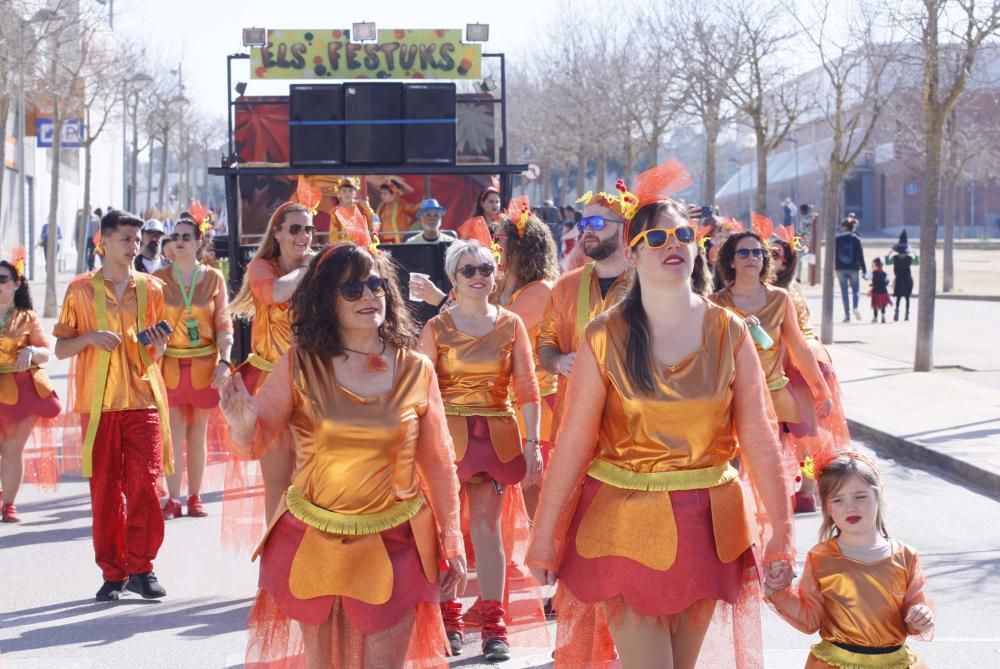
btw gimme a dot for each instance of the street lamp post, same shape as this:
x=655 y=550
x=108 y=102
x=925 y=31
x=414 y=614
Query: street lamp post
x=133 y=85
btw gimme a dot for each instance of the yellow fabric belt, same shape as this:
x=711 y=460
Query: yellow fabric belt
x=583 y=301
x=681 y=479
x=260 y=363
x=355 y=525
x=845 y=659
x=473 y=411
x=11 y=369
x=199 y=352
x=777 y=384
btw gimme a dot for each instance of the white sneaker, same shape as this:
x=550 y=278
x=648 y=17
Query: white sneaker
x=857 y=315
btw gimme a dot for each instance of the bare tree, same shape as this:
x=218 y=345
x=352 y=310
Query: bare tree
x=762 y=89
x=950 y=34
x=856 y=79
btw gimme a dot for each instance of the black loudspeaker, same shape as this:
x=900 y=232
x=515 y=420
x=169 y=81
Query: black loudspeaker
x=423 y=258
x=316 y=124
x=429 y=131
x=373 y=134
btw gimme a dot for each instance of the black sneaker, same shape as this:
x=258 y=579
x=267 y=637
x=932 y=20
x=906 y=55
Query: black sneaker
x=455 y=643
x=111 y=591
x=496 y=650
x=146 y=585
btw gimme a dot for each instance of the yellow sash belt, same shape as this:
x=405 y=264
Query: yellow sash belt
x=845 y=659
x=104 y=364
x=583 y=301
x=683 y=479
x=11 y=369
x=260 y=363
x=355 y=525
x=777 y=384
x=450 y=410
x=199 y=352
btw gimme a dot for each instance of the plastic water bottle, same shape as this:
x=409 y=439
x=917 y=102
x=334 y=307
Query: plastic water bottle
x=761 y=337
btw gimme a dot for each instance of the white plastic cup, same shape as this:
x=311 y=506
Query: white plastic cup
x=413 y=274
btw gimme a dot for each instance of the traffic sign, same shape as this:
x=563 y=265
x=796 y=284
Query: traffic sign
x=533 y=172
x=72 y=133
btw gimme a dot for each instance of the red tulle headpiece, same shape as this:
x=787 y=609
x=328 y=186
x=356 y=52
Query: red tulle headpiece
x=16 y=258
x=763 y=226
x=518 y=212
x=476 y=229
x=661 y=182
x=354 y=226
x=308 y=195
x=202 y=216
x=823 y=461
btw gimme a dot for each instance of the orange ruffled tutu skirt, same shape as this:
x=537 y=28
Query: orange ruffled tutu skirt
x=28 y=402
x=185 y=394
x=481 y=457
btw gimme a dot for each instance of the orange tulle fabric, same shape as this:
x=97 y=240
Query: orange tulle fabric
x=666 y=179
x=41 y=452
x=762 y=225
x=476 y=229
x=276 y=640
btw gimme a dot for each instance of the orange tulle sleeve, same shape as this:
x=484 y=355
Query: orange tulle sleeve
x=915 y=584
x=524 y=381
x=573 y=453
x=800 y=605
x=223 y=321
x=37 y=336
x=435 y=459
x=757 y=430
x=801 y=355
x=530 y=304
x=261 y=277
x=274 y=401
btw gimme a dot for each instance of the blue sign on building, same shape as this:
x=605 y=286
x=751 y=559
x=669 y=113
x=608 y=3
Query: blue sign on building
x=72 y=133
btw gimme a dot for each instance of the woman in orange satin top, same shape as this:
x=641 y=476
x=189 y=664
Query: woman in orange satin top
x=265 y=298
x=26 y=392
x=352 y=553
x=744 y=265
x=643 y=519
x=196 y=364
x=481 y=353
x=861 y=590
x=530 y=268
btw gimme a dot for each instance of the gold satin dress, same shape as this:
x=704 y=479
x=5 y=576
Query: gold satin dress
x=29 y=393
x=272 y=323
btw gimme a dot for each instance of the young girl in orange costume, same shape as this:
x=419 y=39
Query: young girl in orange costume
x=643 y=518
x=26 y=394
x=861 y=590
x=265 y=298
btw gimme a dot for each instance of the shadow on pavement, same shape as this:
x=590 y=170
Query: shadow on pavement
x=107 y=623
x=47 y=536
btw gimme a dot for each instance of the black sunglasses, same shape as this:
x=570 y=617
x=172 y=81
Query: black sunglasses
x=295 y=228
x=469 y=271
x=354 y=291
x=746 y=253
x=182 y=236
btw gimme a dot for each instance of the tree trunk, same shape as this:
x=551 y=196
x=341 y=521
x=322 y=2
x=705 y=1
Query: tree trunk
x=564 y=185
x=149 y=181
x=204 y=178
x=760 y=197
x=602 y=170
x=133 y=196
x=629 y=161
x=164 y=164
x=4 y=114
x=581 y=173
x=546 y=177
x=654 y=146
x=52 y=240
x=923 y=360
x=828 y=231
x=711 y=144
x=81 y=225
x=951 y=212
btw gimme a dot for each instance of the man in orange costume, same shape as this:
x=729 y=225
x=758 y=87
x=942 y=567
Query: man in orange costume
x=120 y=398
x=580 y=295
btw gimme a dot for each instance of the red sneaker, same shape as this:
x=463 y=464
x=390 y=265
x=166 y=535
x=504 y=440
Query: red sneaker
x=195 y=508
x=10 y=514
x=172 y=509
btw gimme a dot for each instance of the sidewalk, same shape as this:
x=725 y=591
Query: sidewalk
x=948 y=420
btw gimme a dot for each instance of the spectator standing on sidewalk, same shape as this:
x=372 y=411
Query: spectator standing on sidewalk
x=902 y=277
x=850 y=261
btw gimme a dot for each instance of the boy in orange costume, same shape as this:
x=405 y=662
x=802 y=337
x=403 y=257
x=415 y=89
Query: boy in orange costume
x=120 y=399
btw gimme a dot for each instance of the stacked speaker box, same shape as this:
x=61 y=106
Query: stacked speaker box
x=316 y=124
x=429 y=132
x=373 y=134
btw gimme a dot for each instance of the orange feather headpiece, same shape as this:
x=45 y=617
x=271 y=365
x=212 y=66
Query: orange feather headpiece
x=476 y=229
x=657 y=184
x=308 y=195
x=518 y=212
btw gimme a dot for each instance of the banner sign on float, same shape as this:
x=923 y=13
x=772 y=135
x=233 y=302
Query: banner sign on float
x=398 y=54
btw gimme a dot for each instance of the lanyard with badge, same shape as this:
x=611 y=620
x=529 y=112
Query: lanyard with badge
x=187 y=294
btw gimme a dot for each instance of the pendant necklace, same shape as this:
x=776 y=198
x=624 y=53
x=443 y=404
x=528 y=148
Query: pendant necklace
x=376 y=362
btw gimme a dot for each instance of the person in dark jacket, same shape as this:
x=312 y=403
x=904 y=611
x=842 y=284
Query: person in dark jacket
x=902 y=277
x=850 y=260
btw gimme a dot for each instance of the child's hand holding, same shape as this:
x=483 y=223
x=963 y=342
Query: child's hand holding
x=779 y=576
x=920 y=618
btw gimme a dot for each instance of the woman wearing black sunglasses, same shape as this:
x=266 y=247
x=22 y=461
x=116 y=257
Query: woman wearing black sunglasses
x=481 y=353
x=271 y=278
x=744 y=266
x=642 y=517
x=196 y=363
x=26 y=394
x=352 y=552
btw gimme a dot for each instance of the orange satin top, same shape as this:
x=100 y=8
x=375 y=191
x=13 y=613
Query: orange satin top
x=808 y=331
x=476 y=374
x=23 y=329
x=362 y=455
x=272 y=322
x=687 y=422
x=558 y=326
x=128 y=387
x=529 y=302
x=209 y=293
x=396 y=217
x=772 y=318
x=852 y=602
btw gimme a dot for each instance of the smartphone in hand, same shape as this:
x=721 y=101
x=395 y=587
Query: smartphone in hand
x=162 y=326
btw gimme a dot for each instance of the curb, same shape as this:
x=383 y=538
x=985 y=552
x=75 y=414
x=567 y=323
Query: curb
x=914 y=453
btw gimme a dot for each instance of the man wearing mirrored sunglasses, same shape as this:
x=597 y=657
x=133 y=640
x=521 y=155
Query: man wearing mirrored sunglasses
x=583 y=293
